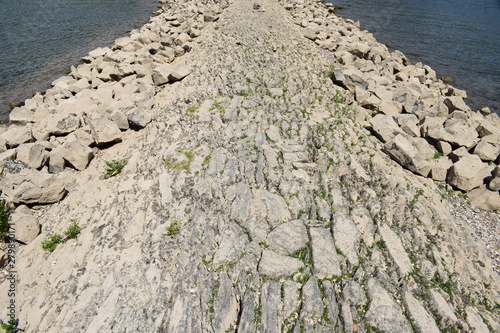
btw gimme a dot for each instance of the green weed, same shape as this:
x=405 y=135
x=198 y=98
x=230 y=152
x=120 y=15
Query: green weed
x=113 y=168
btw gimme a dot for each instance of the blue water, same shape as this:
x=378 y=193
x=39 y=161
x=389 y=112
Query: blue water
x=457 y=38
x=41 y=39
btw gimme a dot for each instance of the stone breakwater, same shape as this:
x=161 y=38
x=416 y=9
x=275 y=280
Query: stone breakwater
x=255 y=197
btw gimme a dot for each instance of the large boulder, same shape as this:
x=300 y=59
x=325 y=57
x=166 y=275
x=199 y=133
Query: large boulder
x=468 y=173
x=33 y=154
x=384 y=127
x=76 y=153
x=16 y=136
x=457 y=132
x=20 y=184
x=161 y=74
x=484 y=199
x=139 y=118
x=103 y=130
x=61 y=124
x=404 y=151
x=488 y=148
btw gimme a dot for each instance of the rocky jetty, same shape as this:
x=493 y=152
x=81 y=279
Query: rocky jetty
x=281 y=171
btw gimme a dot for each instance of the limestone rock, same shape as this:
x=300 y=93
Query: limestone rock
x=56 y=160
x=33 y=154
x=385 y=127
x=30 y=186
x=458 y=133
x=383 y=312
x=103 y=130
x=178 y=73
x=139 y=118
x=325 y=258
x=484 y=198
x=403 y=151
x=61 y=124
x=422 y=319
x=27 y=227
x=16 y=136
x=347 y=237
x=494 y=184
x=21 y=115
x=161 y=74
x=275 y=265
x=488 y=148
x=396 y=249
x=439 y=168
x=288 y=237
x=468 y=173
x=76 y=153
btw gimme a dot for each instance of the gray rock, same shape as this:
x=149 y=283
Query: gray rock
x=325 y=258
x=275 y=265
x=383 y=312
x=33 y=154
x=32 y=187
x=408 y=123
x=103 y=130
x=76 y=153
x=288 y=237
x=468 y=173
x=353 y=292
x=26 y=226
x=312 y=305
x=271 y=305
x=455 y=103
x=139 y=118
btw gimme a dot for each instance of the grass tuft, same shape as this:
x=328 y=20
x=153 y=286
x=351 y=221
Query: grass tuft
x=113 y=168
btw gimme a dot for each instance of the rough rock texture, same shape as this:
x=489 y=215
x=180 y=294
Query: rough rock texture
x=192 y=235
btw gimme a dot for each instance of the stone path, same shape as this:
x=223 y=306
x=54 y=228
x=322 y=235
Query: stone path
x=256 y=201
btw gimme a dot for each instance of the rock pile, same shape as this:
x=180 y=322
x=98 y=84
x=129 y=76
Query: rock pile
x=254 y=201
x=112 y=91
x=424 y=123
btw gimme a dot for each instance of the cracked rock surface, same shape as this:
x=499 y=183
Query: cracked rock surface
x=288 y=215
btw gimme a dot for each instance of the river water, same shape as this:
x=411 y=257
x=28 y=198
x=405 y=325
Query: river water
x=457 y=38
x=40 y=40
